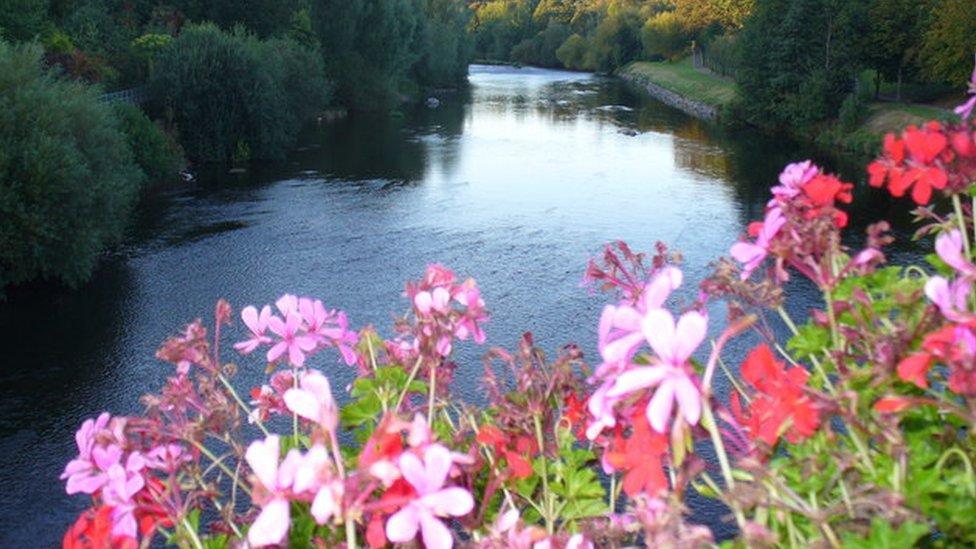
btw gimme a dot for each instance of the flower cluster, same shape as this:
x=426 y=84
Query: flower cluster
x=303 y=327
x=801 y=225
x=953 y=344
x=936 y=156
x=855 y=430
x=780 y=404
x=444 y=309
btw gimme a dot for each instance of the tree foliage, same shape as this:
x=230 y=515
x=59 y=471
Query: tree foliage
x=226 y=89
x=949 y=44
x=67 y=176
x=802 y=58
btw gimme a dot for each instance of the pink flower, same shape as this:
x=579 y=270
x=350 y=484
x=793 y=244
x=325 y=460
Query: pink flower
x=673 y=345
x=432 y=501
x=752 y=254
x=951 y=298
x=793 y=178
x=122 y=486
x=966 y=109
x=258 y=324
x=167 y=457
x=620 y=326
x=272 y=486
x=949 y=246
x=86 y=473
x=314 y=401
x=314 y=476
x=294 y=340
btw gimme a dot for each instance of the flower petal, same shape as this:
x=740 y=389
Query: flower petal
x=271 y=526
x=403 y=525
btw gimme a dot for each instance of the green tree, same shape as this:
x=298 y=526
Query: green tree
x=67 y=177
x=949 y=44
x=156 y=154
x=227 y=89
x=22 y=19
x=892 y=40
x=665 y=36
x=801 y=59
x=444 y=47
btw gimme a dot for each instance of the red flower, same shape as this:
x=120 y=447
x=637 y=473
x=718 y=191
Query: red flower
x=924 y=169
x=641 y=457
x=893 y=404
x=780 y=405
x=914 y=368
x=955 y=346
x=518 y=450
x=93 y=530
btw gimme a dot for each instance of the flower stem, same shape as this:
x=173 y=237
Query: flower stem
x=406 y=388
x=430 y=400
x=350 y=533
x=961 y=220
x=194 y=539
x=723 y=458
x=244 y=407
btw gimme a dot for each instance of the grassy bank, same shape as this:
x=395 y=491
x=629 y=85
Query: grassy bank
x=701 y=86
x=682 y=78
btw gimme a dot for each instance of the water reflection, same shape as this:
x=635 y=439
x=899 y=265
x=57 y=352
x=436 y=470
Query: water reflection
x=516 y=183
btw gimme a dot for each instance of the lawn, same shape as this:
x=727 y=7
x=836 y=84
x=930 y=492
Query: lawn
x=889 y=117
x=684 y=79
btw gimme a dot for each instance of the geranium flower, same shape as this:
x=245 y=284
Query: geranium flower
x=792 y=179
x=87 y=473
x=119 y=493
x=94 y=529
x=620 y=331
x=258 y=324
x=966 y=109
x=955 y=346
x=752 y=254
x=432 y=500
x=780 y=405
x=949 y=246
x=313 y=400
x=271 y=490
x=294 y=340
x=641 y=458
x=674 y=345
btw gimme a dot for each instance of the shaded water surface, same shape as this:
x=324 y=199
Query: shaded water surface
x=516 y=182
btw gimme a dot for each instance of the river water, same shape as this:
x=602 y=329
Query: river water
x=516 y=182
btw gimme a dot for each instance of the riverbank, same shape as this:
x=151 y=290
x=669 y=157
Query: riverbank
x=706 y=96
x=681 y=86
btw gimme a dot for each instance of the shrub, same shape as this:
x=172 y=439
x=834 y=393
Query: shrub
x=664 y=36
x=67 y=178
x=158 y=156
x=221 y=88
x=572 y=54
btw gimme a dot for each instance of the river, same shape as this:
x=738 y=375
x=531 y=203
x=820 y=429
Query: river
x=516 y=182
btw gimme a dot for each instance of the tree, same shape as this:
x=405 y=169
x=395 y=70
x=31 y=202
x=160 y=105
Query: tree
x=22 y=20
x=67 y=177
x=949 y=44
x=801 y=58
x=227 y=90
x=892 y=41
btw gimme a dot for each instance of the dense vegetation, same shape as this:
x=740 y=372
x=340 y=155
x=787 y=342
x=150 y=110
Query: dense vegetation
x=797 y=62
x=68 y=176
x=226 y=80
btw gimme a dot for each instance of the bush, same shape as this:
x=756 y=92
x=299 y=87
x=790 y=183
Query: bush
x=67 y=178
x=156 y=154
x=664 y=36
x=221 y=88
x=572 y=54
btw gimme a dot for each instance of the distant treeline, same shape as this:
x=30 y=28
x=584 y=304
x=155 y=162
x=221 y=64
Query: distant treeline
x=797 y=62
x=228 y=80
